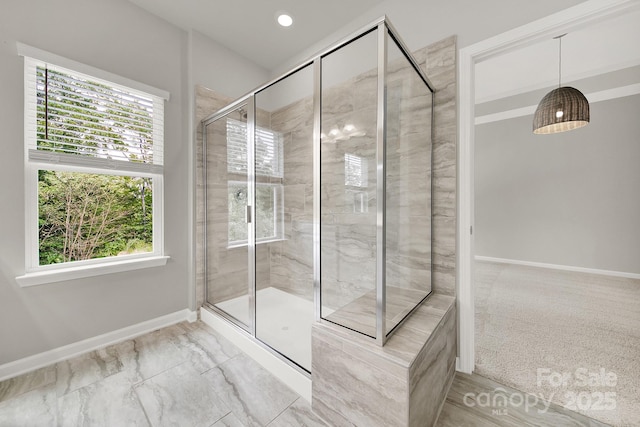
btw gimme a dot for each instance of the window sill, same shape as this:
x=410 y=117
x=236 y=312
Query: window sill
x=63 y=274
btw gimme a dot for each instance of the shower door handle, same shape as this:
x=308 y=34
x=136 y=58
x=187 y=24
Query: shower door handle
x=248 y=215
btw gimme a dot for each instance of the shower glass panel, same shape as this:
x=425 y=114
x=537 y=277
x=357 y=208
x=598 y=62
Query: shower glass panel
x=284 y=187
x=408 y=187
x=318 y=197
x=348 y=184
x=227 y=246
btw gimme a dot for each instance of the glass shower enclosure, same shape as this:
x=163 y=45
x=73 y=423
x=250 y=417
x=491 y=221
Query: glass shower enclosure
x=318 y=196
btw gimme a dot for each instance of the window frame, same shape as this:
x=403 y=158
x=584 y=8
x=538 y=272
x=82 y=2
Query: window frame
x=36 y=160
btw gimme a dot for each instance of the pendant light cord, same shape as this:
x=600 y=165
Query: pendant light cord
x=560 y=58
x=560 y=63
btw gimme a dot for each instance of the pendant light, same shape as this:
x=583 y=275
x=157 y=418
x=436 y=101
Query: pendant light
x=562 y=109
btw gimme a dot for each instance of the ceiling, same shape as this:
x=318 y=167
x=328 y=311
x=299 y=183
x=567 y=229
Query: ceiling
x=594 y=50
x=249 y=27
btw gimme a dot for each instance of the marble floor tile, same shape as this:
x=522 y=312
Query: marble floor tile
x=109 y=402
x=86 y=369
x=236 y=393
x=299 y=414
x=229 y=421
x=254 y=395
x=205 y=348
x=34 y=409
x=24 y=383
x=452 y=415
x=180 y=397
x=150 y=354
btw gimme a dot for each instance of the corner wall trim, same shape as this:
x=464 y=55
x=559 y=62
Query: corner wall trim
x=559 y=267
x=40 y=360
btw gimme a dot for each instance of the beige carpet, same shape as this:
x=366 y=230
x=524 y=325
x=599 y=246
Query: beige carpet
x=576 y=324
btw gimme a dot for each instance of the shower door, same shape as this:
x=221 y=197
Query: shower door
x=260 y=215
x=228 y=259
x=284 y=215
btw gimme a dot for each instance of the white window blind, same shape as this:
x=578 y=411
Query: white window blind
x=356 y=170
x=79 y=120
x=268 y=157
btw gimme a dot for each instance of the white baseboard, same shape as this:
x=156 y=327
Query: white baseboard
x=21 y=366
x=296 y=380
x=559 y=267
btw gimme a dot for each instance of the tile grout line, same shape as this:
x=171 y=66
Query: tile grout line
x=144 y=410
x=282 y=412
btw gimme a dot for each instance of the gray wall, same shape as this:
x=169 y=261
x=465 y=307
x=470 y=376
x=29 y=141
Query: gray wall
x=421 y=22
x=220 y=69
x=118 y=37
x=570 y=199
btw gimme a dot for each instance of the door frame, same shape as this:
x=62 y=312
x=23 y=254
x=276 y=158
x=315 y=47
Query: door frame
x=571 y=19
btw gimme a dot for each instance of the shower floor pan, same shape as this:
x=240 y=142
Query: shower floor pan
x=283 y=321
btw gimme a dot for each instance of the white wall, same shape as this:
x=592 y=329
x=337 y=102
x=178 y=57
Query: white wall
x=569 y=199
x=121 y=38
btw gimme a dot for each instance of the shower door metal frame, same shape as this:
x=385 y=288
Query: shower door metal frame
x=385 y=31
x=381 y=188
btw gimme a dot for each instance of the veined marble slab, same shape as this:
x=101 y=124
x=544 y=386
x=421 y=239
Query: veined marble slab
x=35 y=408
x=109 y=402
x=356 y=381
x=360 y=314
x=254 y=395
x=181 y=396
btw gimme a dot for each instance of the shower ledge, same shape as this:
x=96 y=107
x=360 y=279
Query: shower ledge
x=404 y=383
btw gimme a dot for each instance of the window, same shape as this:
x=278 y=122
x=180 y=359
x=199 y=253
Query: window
x=269 y=196
x=268 y=150
x=268 y=212
x=356 y=172
x=94 y=166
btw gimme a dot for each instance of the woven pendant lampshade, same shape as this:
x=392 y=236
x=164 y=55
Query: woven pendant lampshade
x=562 y=109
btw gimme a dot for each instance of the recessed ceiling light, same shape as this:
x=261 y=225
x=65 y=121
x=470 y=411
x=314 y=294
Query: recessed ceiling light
x=285 y=20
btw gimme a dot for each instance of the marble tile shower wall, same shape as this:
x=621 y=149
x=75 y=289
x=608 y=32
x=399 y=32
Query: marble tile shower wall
x=348 y=232
x=292 y=258
x=439 y=62
x=207 y=102
x=286 y=264
x=408 y=191
x=289 y=261
x=227 y=272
